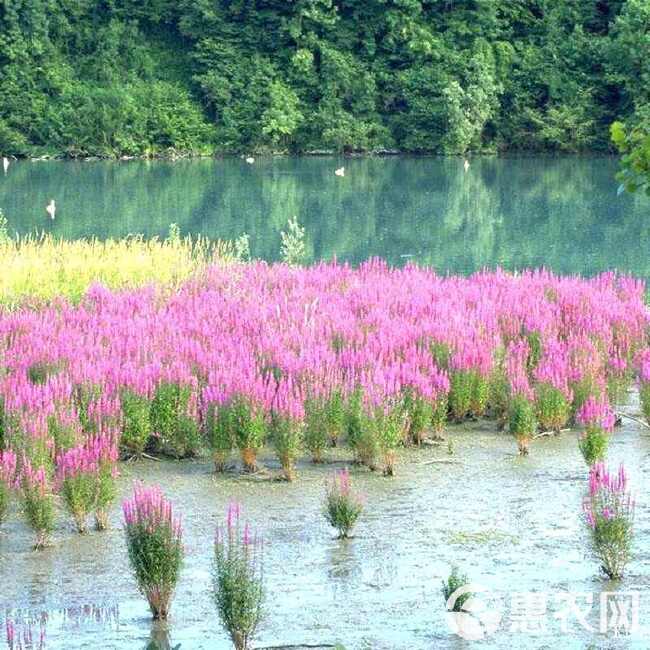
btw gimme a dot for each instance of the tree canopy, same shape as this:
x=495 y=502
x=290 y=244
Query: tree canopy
x=127 y=77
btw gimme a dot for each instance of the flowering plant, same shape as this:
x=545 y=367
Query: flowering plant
x=598 y=419
x=38 y=502
x=343 y=505
x=609 y=514
x=238 y=578
x=7 y=479
x=522 y=422
x=76 y=476
x=154 y=541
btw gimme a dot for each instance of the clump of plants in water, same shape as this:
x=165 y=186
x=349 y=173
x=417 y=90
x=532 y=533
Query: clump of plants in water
x=238 y=581
x=77 y=471
x=154 y=543
x=418 y=413
x=219 y=434
x=455 y=581
x=598 y=419
x=86 y=480
x=386 y=426
x=609 y=515
x=37 y=501
x=324 y=423
x=178 y=432
x=136 y=424
x=7 y=480
x=343 y=505
x=105 y=450
x=552 y=408
x=249 y=429
x=522 y=422
x=286 y=433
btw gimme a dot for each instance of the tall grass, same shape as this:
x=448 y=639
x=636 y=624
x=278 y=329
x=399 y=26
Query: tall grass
x=42 y=267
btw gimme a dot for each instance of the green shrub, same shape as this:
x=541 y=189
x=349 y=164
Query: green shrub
x=178 y=432
x=238 y=580
x=286 y=436
x=552 y=407
x=419 y=413
x=249 y=429
x=136 y=423
x=593 y=444
x=219 y=433
x=522 y=422
x=343 y=506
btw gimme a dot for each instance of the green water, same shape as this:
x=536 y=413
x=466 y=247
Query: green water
x=563 y=213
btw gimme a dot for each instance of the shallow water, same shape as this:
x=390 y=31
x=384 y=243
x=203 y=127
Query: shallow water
x=563 y=212
x=512 y=524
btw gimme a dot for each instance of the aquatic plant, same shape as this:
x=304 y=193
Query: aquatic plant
x=136 y=422
x=219 y=434
x=597 y=417
x=286 y=434
x=238 y=581
x=343 y=505
x=522 y=422
x=455 y=581
x=154 y=542
x=462 y=384
x=386 y=426
x=37 y=501
x=316 y=436
x=105 y=450
x=253 y=338
x=249 y=430
x=325 y=422
x=553 y=396
x=609 y=515
x=76 y=475
x=418 y=413
x=439 y=416
x=171 y=420
x=499 y=392
x=7 y=480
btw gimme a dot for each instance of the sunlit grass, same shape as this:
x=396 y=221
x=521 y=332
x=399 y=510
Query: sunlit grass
x=40 y=268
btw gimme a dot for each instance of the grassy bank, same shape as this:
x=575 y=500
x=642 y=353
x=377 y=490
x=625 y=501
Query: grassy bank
x=41 y=268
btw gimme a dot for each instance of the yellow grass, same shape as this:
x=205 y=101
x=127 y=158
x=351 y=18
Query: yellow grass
x=44 y=267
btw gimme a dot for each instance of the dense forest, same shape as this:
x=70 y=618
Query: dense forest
x=146 y=77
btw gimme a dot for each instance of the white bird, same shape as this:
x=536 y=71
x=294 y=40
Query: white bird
x=466 y=164
x=5 y=163
x=340 y=171
x=50 y=208
x=250 y=160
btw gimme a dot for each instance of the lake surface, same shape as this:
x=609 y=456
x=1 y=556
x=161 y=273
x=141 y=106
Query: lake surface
x=563 y=213
x=513 y=524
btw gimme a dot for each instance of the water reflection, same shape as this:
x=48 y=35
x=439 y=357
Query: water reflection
x=531 y=211
x=159 y=638
x=31 y=629
x=343 y=561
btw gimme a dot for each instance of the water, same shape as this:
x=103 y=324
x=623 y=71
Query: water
x=513 y=524
x=516 y=212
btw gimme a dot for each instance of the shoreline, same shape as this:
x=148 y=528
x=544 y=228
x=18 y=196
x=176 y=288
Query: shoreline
x=319 y=153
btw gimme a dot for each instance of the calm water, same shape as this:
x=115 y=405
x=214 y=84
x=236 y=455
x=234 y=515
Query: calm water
x=512 y=524
x=516 y=212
